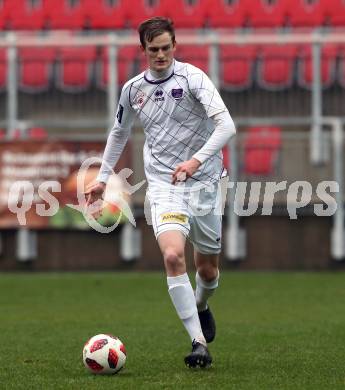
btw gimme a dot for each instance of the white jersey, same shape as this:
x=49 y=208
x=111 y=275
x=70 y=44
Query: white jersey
x=175 y=114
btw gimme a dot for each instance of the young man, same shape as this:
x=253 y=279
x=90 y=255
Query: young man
x=186 y=125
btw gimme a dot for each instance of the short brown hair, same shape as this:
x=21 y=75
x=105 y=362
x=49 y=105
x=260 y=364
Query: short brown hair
x=151 y=28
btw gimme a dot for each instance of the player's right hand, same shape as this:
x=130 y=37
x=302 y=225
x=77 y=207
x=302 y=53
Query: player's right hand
x=94 y=191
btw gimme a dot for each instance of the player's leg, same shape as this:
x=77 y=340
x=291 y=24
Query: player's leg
x=207 y=275
x=172 y=244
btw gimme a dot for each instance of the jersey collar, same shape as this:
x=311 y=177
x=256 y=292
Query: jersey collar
x=151 y=76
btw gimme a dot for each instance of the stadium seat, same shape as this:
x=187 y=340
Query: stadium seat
x=306 y=13
x=139 y=10
x=227 y=13
x=3 y=69
x=196 y=55
x=127 y=62
x=268 y=13
x=328 y=66
x=65 y=14
x=275 y=69
x=27 y=15
x=106 y=14
x=261 y=150
x=188 y=14
x=335 y=12
x=5 y=10
x=36 y=68
x=37 y=134
x=75 y=66
x=237 y=64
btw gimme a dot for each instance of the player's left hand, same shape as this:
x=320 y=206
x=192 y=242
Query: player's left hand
x=185 y=170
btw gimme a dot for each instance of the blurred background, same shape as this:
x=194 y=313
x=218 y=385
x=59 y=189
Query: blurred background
x=280 y=68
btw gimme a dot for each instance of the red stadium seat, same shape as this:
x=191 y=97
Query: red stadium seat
x=27 y=15
x=276 y=66
x=139 y=10
x=6 y=7
x=227 y=13
x=105 y=14
x=196 y=55
x=75 y=67
x=262 y=146
x=306 y=13
x=328 y=66
x=190 y=14
x=3 y=68
x=37 y=134
x=335 y=12
x=64 y=14
x=36 y=68
x=237 y=64
x=126 y=59
x=268 y=13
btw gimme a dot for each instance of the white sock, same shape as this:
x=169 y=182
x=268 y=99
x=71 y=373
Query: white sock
x=204 y=290
x=182 y=296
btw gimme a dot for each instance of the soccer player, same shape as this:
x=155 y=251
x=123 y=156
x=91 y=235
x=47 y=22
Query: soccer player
x=186 y=124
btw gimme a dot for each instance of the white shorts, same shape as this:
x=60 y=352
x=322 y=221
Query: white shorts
x=197 y=214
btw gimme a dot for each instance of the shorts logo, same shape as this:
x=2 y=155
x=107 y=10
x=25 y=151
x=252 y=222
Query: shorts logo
x=173 y=218
x=159 y=95
x=177 y=93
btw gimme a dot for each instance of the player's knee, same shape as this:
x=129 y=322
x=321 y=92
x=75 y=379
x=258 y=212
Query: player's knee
x=173 y=258
x=208 y=272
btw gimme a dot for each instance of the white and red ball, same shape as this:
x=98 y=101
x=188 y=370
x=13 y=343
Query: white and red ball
x=104 y=354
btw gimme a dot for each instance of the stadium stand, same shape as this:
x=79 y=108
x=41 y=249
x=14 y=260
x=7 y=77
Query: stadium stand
x=3 y=69
x=228 y=13
x=335 y=12
x=341 y=68
x=26 y=15
x=126 y=60
x=37 y=134
x=195 y=54
x=139 y=10
x=265 y=13
x=328 y=66
x=189 y=14
x=237 y=66
x=261 y=150
x=65 y=14
x=75 y=68
x=107 y=14
x=275 y=69
x=36 y=68
x=306 y=13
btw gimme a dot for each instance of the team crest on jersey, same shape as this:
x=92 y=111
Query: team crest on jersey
x=177 y=93
x=140 y=98
x=159 y=95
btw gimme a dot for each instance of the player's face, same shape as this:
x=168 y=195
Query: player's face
x=160 y=52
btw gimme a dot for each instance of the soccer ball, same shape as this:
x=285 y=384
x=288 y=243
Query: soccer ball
x=104 y=354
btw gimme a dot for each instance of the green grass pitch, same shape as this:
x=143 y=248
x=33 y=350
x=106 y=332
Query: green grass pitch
x=275 y=331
